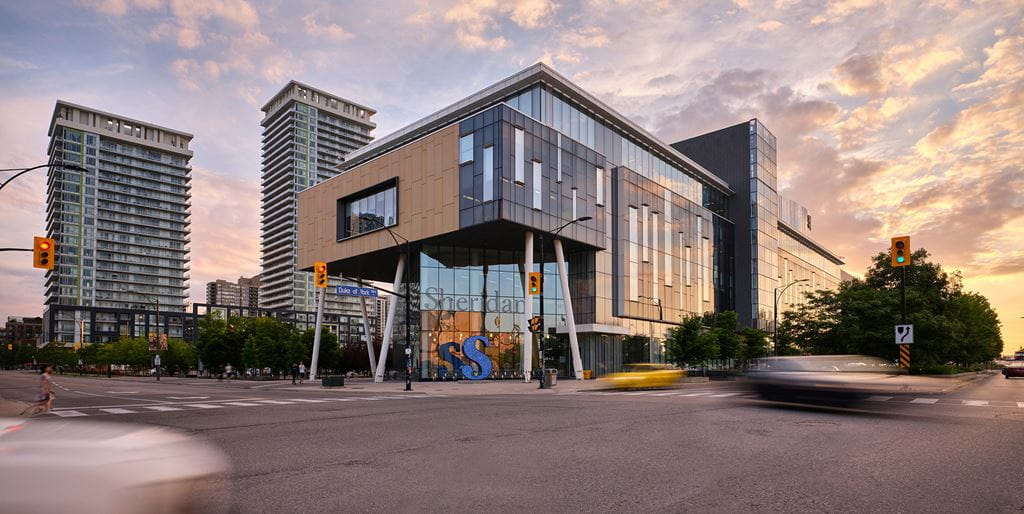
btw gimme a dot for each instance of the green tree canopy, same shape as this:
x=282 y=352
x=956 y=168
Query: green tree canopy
x=690 y=344
x=950 y=325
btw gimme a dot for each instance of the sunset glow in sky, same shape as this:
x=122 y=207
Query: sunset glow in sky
x=892 y=117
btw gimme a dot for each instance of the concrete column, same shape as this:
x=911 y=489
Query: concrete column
x=570 y=320
x=527 y=337
x=378 y=375
x=368 y=336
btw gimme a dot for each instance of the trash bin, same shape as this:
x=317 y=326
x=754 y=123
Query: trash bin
x=550 y=377
x=587 y=374
x=333 y=381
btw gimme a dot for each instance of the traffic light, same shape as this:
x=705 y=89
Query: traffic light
x=536 y=325
x=900 y=251
x=43 y=249
x=320 y=274
x=536 y=283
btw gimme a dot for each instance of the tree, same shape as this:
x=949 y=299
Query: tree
x=726 y=338
x=689 y=344
x=950 y=325
x=755 y=344
x=330 y=357
x=636 y=348
x=179 y=357
x=133 y=352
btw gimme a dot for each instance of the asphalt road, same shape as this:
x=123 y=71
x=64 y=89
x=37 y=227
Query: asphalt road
x=706 y=447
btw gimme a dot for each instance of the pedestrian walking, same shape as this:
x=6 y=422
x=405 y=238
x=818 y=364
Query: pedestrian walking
x=302 y=371
x=295 y=372
x=44 y=398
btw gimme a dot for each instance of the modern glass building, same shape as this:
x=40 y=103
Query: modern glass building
x=776 y=248
x=122 y=227
x=532 y=174
x=306 y=133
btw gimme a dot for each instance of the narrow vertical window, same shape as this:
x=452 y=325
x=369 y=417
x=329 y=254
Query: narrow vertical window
x=466 y=149
x=688 y=264
x=558 y=167
x=575 y=214
x=655 y=258
x=488 y=173
x=645 y=220
x=634 y=294
x=600 y=186
x=538 y=182
x=669 y=252
x=518 y=156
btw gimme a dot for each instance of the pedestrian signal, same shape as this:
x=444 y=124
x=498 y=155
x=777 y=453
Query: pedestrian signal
x=536 y=325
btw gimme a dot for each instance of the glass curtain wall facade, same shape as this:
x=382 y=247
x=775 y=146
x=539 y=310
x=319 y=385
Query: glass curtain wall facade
x=764 y=221
x=122 y=226
x=306 y=133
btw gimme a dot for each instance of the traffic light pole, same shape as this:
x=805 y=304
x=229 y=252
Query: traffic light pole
x=903 y=295
x=540 y=338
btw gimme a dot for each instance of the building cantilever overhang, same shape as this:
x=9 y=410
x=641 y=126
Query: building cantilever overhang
x=498 y=91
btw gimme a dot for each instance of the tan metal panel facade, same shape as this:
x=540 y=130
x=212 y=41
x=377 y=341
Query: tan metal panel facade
x=428 y=182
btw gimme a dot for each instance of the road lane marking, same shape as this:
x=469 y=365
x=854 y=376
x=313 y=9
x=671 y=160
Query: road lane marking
x=1020 y=404
x=304 y=400
x=276 y=402
x=118 y=411
x=697 y=394
x=879 y=398
x=928 y=401
x=161 y=408
x=340 y=399
x=203 y=406
x=724 y=395
x=665 y=394
x=123 y=392
x=188 y=397
x=68 y=413
x=975 y=403
x=241 y=404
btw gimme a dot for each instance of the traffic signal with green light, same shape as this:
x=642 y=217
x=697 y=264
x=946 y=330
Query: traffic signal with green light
x=900 y=251
x=43 y=249
x=320 y=274
x=536 y=283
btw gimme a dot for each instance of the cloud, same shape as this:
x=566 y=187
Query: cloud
x=9 y=64
x=770 y=25
x=474 y=19
x=893 y=65
x=331 y=31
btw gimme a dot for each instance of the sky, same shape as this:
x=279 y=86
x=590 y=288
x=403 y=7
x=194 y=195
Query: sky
x=892 y=117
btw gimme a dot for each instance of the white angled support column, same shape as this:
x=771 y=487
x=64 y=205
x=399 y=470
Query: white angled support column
x=378 y=375
x=316 y=337
x=527 y=337
x=570 y=319
x=367 y=336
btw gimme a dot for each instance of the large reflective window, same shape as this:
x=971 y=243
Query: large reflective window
x=372 y=211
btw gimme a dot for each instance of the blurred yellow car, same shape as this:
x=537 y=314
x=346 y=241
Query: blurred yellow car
x=644 y=376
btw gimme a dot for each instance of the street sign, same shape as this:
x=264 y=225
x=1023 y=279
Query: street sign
x=904 y=334
x=357 y=291
x=905 y=356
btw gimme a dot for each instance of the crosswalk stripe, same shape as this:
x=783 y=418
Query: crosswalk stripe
x=879 y=398
x=924 y=400
x=724 y=395
x=68 y=413
x=304 y=400
x=975 y=403
x=1020 y=404
x=241 y=404
x=204 y=406
x=276 y=402
x=118 y=411
x=161 y=408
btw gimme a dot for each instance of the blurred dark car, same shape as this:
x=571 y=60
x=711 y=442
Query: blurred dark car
x=1014 y=370
x=49 y=465
x=845 y=379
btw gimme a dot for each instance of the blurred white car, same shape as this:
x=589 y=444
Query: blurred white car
x=51 y=465
x=835 y=378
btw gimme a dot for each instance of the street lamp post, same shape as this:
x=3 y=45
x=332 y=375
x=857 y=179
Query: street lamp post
x=22 y=171
x=156 y=303
x=775 y=311
x=408 y=296
x=540 y=340
x=650 y=333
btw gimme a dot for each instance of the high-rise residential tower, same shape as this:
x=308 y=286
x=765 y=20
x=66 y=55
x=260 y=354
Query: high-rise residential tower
x=306 y=133
x=122 y=227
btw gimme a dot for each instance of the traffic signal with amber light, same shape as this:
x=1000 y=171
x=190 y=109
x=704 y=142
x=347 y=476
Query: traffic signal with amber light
x=900 y=251
x=536 y=325
x=536 y=283
x=320 y=274
x=43 y=251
